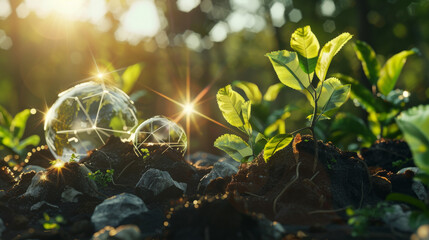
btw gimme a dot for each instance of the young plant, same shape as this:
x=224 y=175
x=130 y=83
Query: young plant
x=52 y=223
x=237 y=112
x=102 y=179
x=381 y=101
x=12 y=130
x=296 y=69
x=265 y=119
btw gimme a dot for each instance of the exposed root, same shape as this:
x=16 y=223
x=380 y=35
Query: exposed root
x=285 y=188
x=327 y=211
x=254 y=195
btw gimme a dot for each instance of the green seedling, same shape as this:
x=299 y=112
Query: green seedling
x=266 y=119
x=380 y=101
x=237 y=112
x=12 y=130
x=102 y=179
x=52 y=223
x=296 y=69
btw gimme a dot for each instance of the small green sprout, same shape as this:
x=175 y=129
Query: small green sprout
x=52 y=223
x=73 y=158
x=145 y=153
x=102 y=178
x=12 y=131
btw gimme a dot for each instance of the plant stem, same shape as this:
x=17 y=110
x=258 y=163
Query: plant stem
x=313 y=123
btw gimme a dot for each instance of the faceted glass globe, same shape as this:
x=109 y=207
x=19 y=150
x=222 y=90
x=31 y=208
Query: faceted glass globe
x=84 y=116
x=160 y=131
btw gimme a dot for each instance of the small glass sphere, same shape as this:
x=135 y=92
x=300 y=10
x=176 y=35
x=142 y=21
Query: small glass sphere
x=84 y=116
x=160 y=131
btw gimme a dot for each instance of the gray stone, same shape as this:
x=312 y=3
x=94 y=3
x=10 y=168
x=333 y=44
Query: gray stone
x=418 y=187
x=157 y=181
x=30 y=168
x=124 y=232
x=70 y=195
x=2 y=227
x=415 y=170
x=115 y=209
x=103 y=234
x=41 y=204
x=398 y=218
x=37 y=186
x=87 y=185
x=220 y=169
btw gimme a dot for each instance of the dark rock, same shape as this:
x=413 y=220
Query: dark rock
x=150 y=223
x=124 y=232
x=220 y=170
x=30 y=168
x=180 y=170
x=154 y=183
x=103 y=234
x=398 y=218
x=70 y=195
x=390 y=155
x=43 y=206
x=218 y=219
x=114 y=209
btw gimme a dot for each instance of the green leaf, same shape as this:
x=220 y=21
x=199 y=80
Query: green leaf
x=32 y=140
x=390 y=72
x=19 y=122
x=273 y=91
x=130 y=77
x=246 y=111
x=328 y=52
x=346 y=124
x=276 y=144
x=286 y=65
x=230 y=104
x=364 y=97
x=234 y=146
x=305 y=43
x=250 y=89
x=400 y=197
x=367 y=57
x=414 y=124
x=334 y=94
x=5 y=117
x=260 y=142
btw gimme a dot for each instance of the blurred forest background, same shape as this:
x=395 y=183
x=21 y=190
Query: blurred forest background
x=47 y=46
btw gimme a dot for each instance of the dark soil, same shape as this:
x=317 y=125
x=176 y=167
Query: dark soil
x=286 y=189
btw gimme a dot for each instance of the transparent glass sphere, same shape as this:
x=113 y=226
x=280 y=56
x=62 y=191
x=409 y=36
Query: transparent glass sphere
x=160 y=131
x=84 y=116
